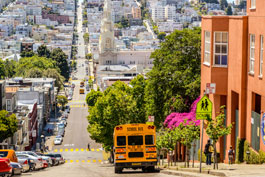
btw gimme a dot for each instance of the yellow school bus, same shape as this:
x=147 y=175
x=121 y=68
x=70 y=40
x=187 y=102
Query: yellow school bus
x=135 y=147
x=81 y=91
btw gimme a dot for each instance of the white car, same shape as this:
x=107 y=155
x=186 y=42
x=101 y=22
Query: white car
x=69 y=98
x=57 y=141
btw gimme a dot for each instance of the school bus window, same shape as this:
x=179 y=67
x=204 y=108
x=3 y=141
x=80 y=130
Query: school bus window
x=121 y=140
x=149 y=139
x=135 y=140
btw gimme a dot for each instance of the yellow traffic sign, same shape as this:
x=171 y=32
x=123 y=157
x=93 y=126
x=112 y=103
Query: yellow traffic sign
x=204 y=108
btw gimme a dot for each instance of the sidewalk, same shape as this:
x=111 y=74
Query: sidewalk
x=223 y=170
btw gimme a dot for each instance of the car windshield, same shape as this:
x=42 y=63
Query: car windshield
x=3 y=153
x=57 y=155
x=59 y=136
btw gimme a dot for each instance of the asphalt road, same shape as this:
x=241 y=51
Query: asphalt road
x=81 y=161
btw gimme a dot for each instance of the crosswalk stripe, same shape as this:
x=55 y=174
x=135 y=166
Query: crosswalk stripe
x=94 y=161
x=66 y=161
x=71 y=161
x=77 y=160
x=66 y=150
x=92 y=149
x=82 y=149
x=83 y=160
x=76 y=149
x=55 y=150
x=87 y=149
x=61 y=150
x=99 y=160
x=88 y=160
x=97 y=149
x=72 y=150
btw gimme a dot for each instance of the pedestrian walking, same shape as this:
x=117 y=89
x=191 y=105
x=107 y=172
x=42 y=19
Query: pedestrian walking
x=208 y=150
x=230 y=155
x=88 y=146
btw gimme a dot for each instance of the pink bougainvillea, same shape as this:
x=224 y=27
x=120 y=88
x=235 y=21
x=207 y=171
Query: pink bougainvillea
x=175 y=119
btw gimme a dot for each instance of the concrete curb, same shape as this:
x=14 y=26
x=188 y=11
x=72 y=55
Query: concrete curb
x=182 y=173
x=191 y=172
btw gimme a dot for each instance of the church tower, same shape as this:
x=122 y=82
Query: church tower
x=107 y=40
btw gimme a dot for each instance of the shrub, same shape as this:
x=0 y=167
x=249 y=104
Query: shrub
x=203 y=156
x=253 y=157
x=240 y=150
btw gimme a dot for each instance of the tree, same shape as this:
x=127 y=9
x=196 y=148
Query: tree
x=116 y=106
x=174 y=81
x=2 y=69
x=60 y=59
x=86 y=38
x=25 y=64
x=53 y=73
x=161 y=36
x=92 y=97
x=155 y=28
x=62 y=100
x=217 y=129
x=85 y=22
x=10 y=68
x=138 y=85
x=124 y=22
x=89 y=56
x=8 y=125
x=229 y=10
x=90 y=83
x=25 y=53
x=43 y=51
x=223 y=4
x=34 y=73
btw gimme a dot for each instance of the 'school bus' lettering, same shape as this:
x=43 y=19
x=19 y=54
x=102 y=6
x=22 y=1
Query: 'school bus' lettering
x=135 y=129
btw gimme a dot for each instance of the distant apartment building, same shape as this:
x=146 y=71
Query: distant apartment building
x=232 y=56
x=136 y=12
x=170 y=12
x=158 y=13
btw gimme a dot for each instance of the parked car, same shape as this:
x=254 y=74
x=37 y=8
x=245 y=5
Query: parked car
x=55 y=161
x=87 y=87
x=45 y=164
x=33 y=156
x=63 y=122
x=69 y=97
x=60 y=158
x=73 y=85
x=67 y=109
x=5 y=167
x=57 y=141
x=47 y=159
x=65 y=115
x=25 y=163
x=16 y=168
x=9 y=154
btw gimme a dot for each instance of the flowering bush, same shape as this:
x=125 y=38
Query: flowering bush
x=175 y=119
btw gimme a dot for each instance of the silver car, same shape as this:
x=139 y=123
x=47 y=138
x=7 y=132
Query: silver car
x=25 y=163
x=16 y=168
x=36 y=160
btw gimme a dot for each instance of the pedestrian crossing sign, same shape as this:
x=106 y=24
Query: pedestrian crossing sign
x=204 y=109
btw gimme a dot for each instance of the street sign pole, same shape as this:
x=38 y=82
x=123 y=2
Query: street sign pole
x=201 y=147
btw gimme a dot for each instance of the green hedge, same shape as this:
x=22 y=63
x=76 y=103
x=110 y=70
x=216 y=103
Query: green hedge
x=240 y=150
x=253 y=157
x=203 y=156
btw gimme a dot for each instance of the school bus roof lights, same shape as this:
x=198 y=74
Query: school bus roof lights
x=118 y=128
x=151 y=127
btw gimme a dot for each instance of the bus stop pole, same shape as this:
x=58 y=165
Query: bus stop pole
x=201 y=147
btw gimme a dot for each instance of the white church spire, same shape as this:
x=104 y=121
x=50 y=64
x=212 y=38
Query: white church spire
x=107 y=40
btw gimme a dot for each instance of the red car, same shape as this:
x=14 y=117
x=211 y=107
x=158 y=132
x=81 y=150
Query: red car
x=5 y=168
x=45 y=164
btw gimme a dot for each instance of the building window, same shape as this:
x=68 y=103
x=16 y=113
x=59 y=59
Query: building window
x=8 y=105
x=220 y=48
x=252 y=53
x=108 y=62
x=261 y=56
x=252 y=4
x=207 y=47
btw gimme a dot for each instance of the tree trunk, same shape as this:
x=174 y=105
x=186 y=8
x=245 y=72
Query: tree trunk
x=188 y=156
x=193 y=156
x=215 y=157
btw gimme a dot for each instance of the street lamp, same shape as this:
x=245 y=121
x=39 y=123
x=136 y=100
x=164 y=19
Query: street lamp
x=42 y=142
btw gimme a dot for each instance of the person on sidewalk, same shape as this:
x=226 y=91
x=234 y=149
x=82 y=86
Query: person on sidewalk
x=208 y=150
x=230 y=155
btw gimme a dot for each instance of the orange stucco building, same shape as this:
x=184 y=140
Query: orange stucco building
x=232 y=56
